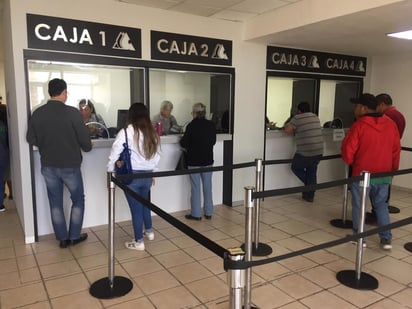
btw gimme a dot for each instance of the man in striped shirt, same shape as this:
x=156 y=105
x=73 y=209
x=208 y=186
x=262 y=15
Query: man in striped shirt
x=306 y=127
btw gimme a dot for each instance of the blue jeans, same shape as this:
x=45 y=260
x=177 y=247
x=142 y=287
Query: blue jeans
x=379 y=195
x=195 y=196
x=55 y=178
x=140 y=213
x=305 y=168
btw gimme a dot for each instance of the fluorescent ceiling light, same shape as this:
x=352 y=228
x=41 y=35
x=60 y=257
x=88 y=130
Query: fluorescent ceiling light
x=407 y=35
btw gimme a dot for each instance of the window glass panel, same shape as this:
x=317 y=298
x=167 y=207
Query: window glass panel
x=185 y=88
x=108 y=87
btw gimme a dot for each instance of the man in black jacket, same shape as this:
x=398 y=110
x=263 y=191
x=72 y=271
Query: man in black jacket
x=198 y=140
x=59 y=132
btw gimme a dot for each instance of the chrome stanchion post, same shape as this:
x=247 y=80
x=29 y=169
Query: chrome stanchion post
x=236 y=279
x=248 y=245
x=344 y=223
x=358 y=279
x=364 y=184
x=111 y=286
x=259 y=249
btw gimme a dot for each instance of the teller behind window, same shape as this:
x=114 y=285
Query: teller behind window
x=92 y=120
x=165 y=117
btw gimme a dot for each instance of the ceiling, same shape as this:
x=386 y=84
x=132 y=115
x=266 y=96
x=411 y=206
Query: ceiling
x=362 y=33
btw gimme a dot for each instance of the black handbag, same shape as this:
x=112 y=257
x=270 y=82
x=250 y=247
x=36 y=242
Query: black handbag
x=182 y=163
x=126 y=165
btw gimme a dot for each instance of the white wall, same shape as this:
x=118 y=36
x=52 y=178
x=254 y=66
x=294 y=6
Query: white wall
x=249 y=60
x=392 y=75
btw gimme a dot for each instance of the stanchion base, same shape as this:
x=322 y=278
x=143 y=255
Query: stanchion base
x=341 y=224
x=408 y=246
x=262 y=249
x=393 y=210
x=251 y=307
x=366 y=282
x=101 y=288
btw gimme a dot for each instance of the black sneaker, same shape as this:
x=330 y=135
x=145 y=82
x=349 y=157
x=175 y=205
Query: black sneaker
x=2 y=208
x=386 y=244
x=190 y=217
x=82 y=237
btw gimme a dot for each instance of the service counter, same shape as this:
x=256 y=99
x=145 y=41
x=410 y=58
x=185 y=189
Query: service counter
x=280 y=145
x=170 y=193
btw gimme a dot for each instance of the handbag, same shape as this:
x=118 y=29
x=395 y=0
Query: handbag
x=182 y=162
x=126 y=165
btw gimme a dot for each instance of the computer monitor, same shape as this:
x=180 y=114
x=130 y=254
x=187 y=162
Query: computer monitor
x=121 y=118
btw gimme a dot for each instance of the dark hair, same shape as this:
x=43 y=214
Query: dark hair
x=56 y=87
x=304 y=107
x=139 y=118
x=89 y=103
x=385 y=98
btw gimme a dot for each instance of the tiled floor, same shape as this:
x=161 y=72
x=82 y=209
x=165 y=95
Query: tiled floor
x=176 y=272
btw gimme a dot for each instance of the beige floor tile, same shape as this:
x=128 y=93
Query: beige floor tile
x=322 y=257
x=159 y=247
x=53 y=256
x=214 y=264
x=30 y=275
x=268 y=296
x=174 y=258
x=10 y=280
x=208 y=289
x=7 y=253
x=7 y=266
x=387 y=286
x=59 y=269
x=93 y=261
x=294 y=305
x=190 y=272
x=296 y=286
x=358 y=298
x=297 y=263
x=387 y=304
x=66 y=285
x=124 y=254
x=141 y=303
x=156 y=282
x=175 y=298
x=392 y=268
x=403 y=297
x=24 y=295
x=22 y=250
x=142 y=266
x=326 y=300
x=79 y=300
x=199 y=252
x=322 y=276
x=26 y=261
x=38 y=305
x=88 y=249
x=183 y=241
x=270 y=271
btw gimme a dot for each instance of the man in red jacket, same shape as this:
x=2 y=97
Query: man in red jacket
x=373 y=145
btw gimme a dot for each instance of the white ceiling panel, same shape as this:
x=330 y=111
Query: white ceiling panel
x=258 y=6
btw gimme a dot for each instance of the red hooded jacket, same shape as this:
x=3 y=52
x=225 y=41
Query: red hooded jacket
x=372 y=144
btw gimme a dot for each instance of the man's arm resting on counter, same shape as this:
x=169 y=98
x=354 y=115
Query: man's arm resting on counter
x=288 y=129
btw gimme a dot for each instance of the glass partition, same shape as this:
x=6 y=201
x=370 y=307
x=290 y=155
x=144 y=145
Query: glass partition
x=329 y=98
x=108 y=87
x=185 y=88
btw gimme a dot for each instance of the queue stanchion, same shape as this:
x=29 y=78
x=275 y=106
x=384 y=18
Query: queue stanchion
x=344 y=223
x=236 y=279
x=248 y=246
x=111 y=286
x=357 y=279
x=408 y=246
x=258 y=248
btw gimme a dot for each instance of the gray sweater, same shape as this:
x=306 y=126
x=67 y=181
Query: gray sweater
x=59 y=132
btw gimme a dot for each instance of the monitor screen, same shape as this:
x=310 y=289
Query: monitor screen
x=121 y=118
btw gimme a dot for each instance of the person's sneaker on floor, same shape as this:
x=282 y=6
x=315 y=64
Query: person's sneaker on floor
x=149 y=235
x=386 y=244
x=134 y=245
x=2 y=208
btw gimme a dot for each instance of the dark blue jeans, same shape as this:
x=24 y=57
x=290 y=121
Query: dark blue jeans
x=305 y=168
x=55 y=179
x=140 y=213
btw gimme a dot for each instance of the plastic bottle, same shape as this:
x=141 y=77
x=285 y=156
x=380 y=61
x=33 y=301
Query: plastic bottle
x=159 y=128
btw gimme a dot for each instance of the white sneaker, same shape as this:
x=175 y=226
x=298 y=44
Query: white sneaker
x=149 y=235
x=135 y=245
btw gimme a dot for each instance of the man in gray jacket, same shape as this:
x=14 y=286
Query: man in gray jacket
x=59 y=132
